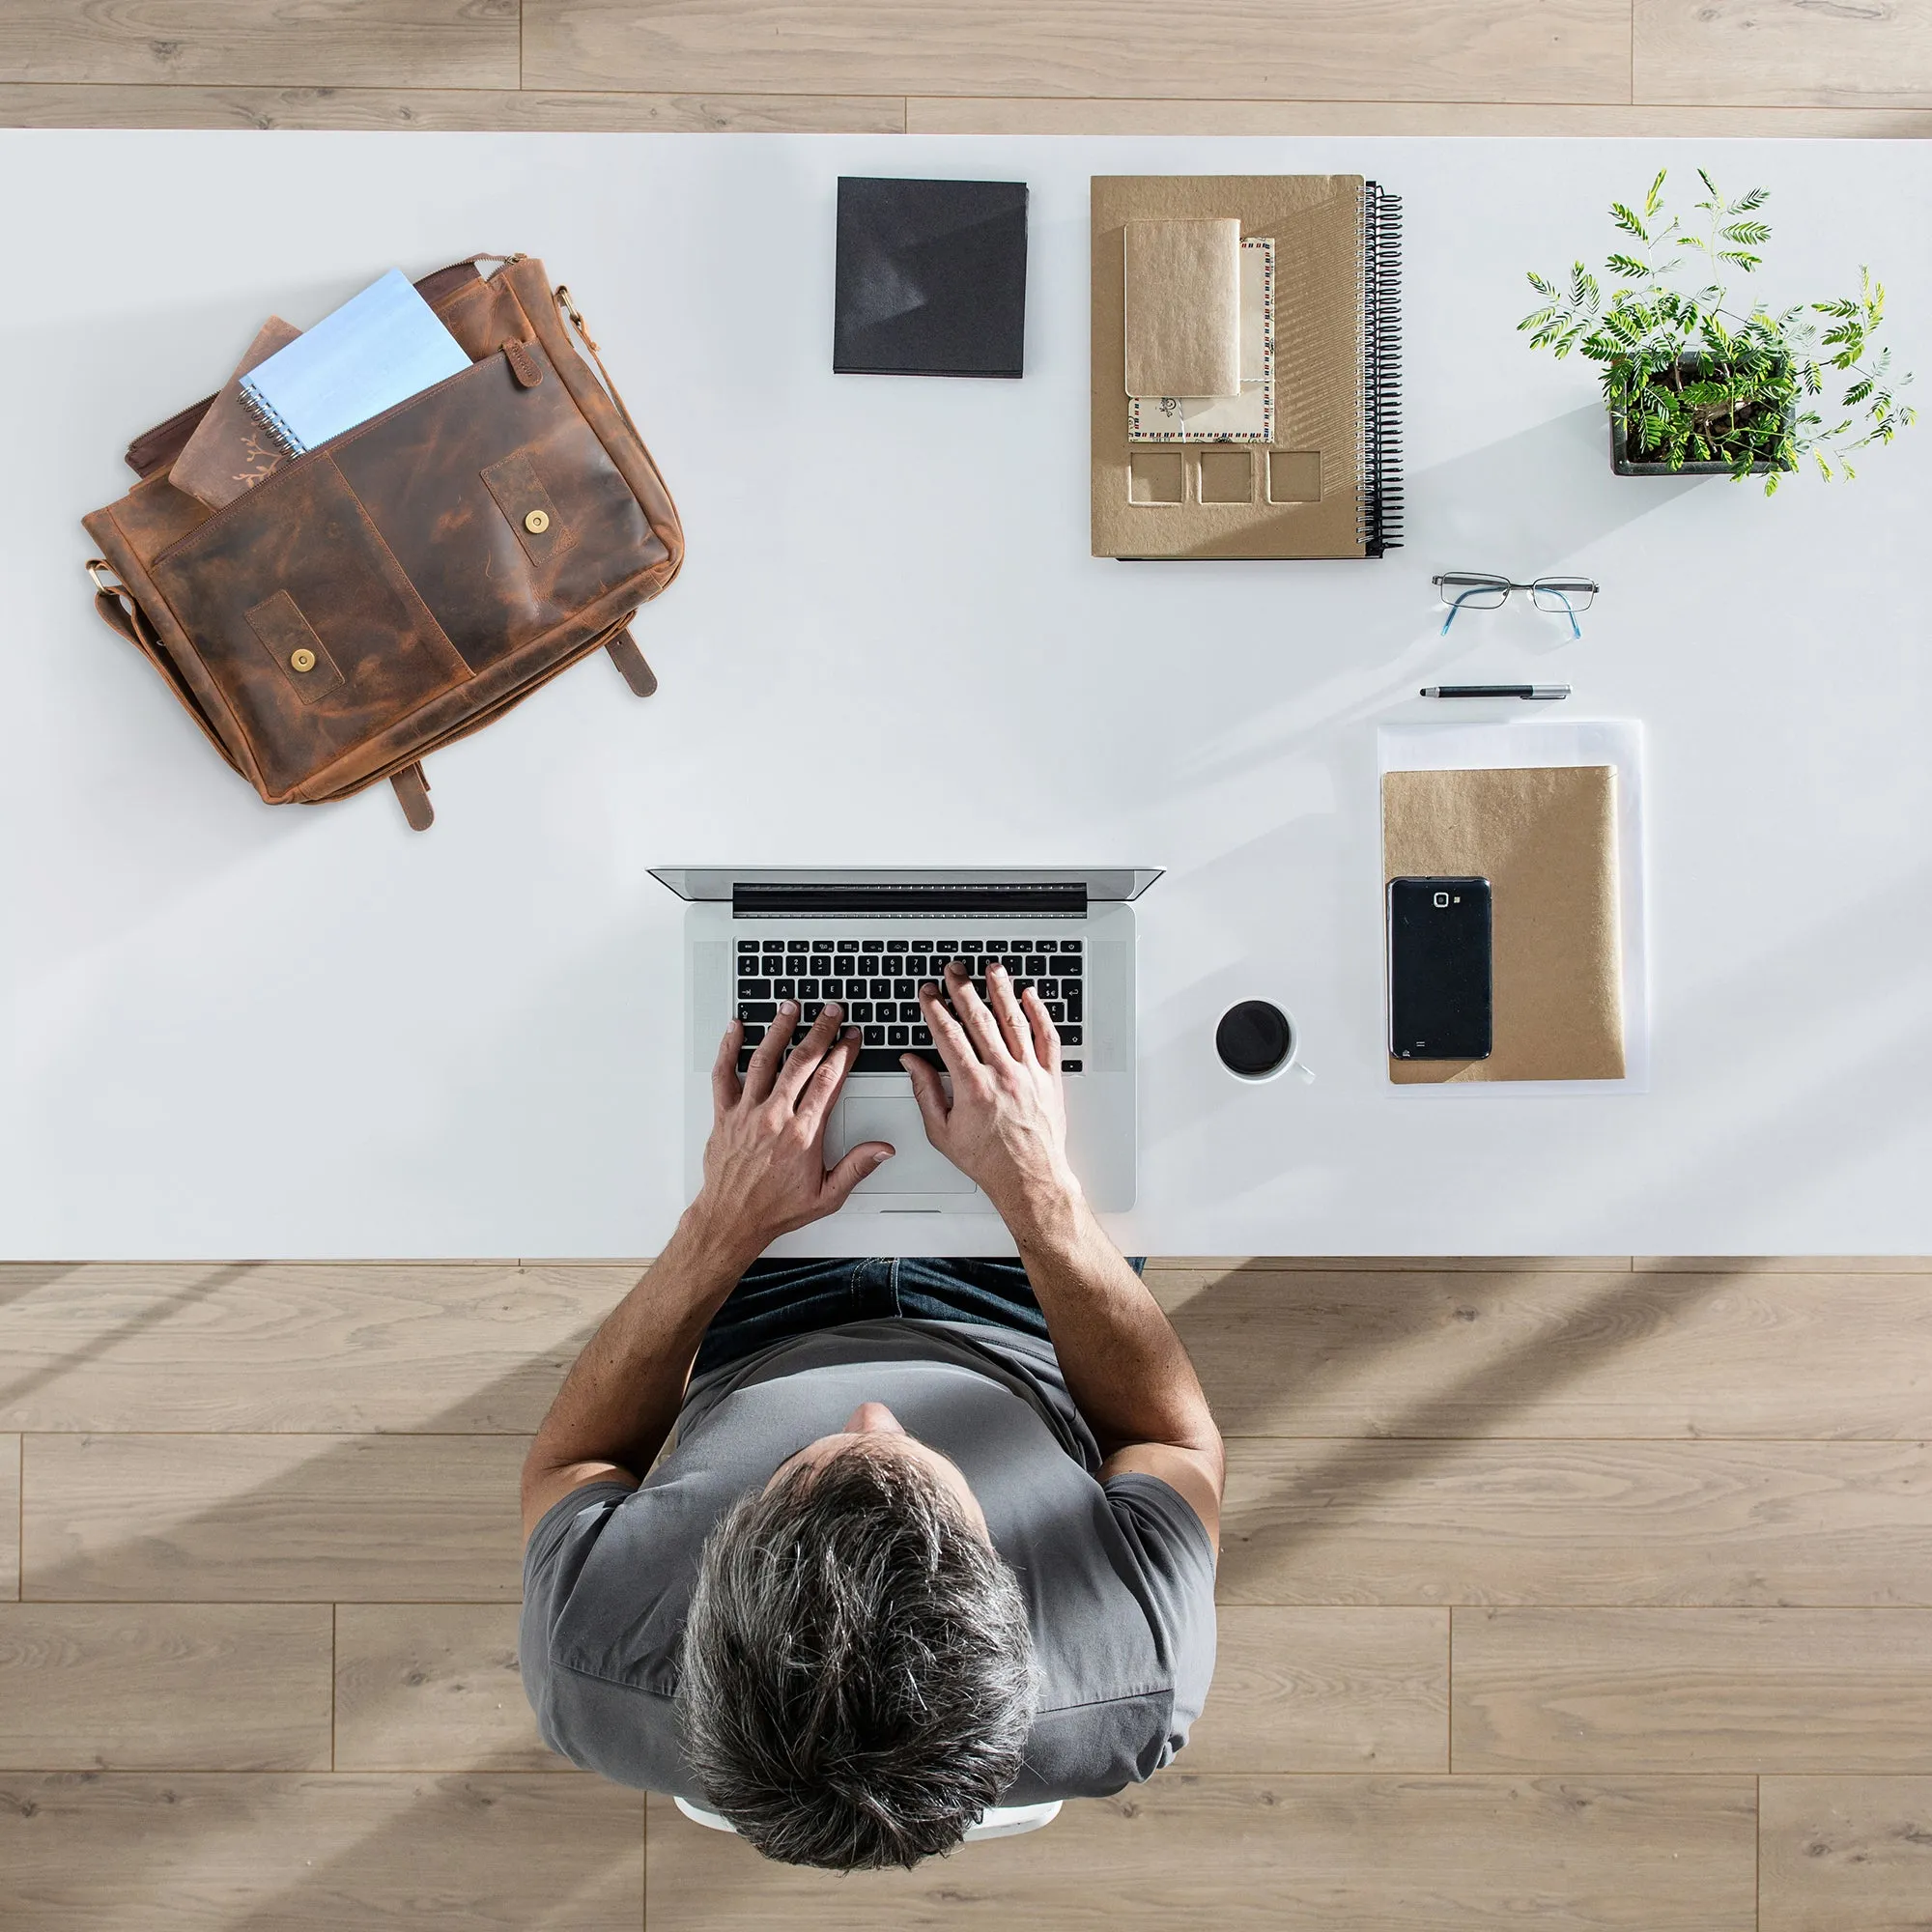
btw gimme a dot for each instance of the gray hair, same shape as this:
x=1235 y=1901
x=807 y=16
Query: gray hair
x=858 y=1678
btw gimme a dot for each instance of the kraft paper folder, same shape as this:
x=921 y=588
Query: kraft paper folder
x=1327 y=483
x=1546 y=839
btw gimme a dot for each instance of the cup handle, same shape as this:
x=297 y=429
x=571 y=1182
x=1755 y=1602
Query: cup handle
x=1305 y=1074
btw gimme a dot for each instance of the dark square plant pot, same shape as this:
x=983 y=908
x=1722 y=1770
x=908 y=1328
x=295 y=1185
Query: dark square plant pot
x=1625 y=465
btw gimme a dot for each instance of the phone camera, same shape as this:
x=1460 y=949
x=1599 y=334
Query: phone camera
x=1441 y=899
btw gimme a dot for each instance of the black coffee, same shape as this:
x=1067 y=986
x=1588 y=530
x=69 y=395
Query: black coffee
x=1254 y=1037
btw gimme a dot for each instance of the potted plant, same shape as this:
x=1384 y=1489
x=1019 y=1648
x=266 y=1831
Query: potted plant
x=1696 y=385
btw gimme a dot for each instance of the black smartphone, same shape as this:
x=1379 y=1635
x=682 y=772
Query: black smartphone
x=1438 y=969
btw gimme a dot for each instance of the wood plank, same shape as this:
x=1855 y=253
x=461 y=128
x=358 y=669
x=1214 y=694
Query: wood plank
x=981 y=114
x=10 y=1517
x=1629 y=1691
x=1321 y=49
x=1782 y=50
x=1397 y=1263
x=1748 y=1264
x=433 y=1687
x=272 y=1518
x=1558 y=1354
x=239 y=1345
x=1574 y=1522
x=186 y=1687
x=1836 y=1853
x=1318 y=1688
x=128 y=104
x=318 y=1854
x=265 y=42
x=1338 y=1854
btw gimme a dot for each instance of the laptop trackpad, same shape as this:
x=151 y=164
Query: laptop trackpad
x=918 y=1167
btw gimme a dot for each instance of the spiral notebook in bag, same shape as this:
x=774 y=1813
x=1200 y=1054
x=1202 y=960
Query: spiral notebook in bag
x=377 y=350
x=1304 y=459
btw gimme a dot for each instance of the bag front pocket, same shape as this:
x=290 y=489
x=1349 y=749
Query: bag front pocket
x=306 y=622
x=499 y=501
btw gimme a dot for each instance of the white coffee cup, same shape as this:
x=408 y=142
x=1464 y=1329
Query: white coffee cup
x=1258 y=1042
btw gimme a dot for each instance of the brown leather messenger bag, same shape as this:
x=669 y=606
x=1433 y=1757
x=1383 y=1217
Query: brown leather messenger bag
x=406 y=582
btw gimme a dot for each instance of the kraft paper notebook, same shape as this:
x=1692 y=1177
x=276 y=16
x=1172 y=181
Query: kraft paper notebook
x=1294 y=451
x=1546 y=839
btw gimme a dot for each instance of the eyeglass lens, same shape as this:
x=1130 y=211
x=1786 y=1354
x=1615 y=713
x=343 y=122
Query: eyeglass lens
x=1562 y=593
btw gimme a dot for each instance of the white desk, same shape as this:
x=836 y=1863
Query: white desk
x=246 y=1032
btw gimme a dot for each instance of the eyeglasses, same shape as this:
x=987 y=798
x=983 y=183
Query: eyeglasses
x=1479 y=590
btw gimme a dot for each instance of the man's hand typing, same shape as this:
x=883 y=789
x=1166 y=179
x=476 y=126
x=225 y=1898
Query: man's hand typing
x=764 y=1164
x=1006 y=1125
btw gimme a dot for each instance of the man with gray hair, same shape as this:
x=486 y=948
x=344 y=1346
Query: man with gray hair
x=931 y=1536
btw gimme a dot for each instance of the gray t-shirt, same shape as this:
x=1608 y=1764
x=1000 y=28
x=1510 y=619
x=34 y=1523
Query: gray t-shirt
x=1118 y=1577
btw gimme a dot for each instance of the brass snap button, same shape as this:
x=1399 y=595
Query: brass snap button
x=537 y=522
x=301 y=659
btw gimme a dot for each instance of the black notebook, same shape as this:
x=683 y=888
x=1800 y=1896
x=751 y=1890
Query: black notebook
x=932 y=277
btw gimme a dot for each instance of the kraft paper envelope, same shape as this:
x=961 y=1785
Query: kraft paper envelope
x=1546 y=839
x=1183 y=308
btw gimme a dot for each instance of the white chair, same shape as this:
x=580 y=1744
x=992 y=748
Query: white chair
x=997 y=1821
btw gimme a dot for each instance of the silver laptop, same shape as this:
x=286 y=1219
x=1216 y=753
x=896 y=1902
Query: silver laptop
x=866 y=939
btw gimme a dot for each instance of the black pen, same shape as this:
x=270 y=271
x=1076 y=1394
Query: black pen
x=1495 y=691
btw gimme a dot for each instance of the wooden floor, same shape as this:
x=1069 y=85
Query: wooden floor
x=1580 y=1593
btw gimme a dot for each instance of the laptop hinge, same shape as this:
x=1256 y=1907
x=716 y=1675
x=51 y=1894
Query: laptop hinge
x=979 y=899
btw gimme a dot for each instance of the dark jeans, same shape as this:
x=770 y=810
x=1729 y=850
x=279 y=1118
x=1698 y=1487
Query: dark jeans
x=777 y=1300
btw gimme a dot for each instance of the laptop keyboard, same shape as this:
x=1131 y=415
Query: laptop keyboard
x=876 y=981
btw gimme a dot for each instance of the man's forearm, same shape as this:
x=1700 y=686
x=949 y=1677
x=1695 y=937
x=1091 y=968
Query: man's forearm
x=1124 y=1365
x=620 y=1399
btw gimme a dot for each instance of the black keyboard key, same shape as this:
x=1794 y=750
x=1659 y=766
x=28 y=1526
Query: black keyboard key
x=873 y=1036
x=898 y=946
x=785 y=989
x=808 y=989
x=996 y=945
x=821 y=965
x=1049 y=989
x=747 y=947
x=879 y=989
x=1069 y=1036
x=1071 y=1066
x=796 y=965
x=846 y=945
x=1071 y=968
x=872 y=946
x=756 y=1009
x=1074 y=1003
x=972 y=946
x=1056 y=1009
x=922 y=946
x=921 y=1035
x=819 y=946
x=904 y=989
x=754 y=989
x=1046 y=945
x=860 y=1010
x=1014 y=963
x=919 y=965
x=898 y=1035
x=1035 y=965
x=886 y=1060
x=910 y=1011
x=754 y=1034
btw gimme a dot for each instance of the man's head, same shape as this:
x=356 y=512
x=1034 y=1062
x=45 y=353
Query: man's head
x=856 y=1676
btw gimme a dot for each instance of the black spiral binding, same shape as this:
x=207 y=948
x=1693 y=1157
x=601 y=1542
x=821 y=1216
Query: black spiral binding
x=1379 y=527
x=270 y=418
